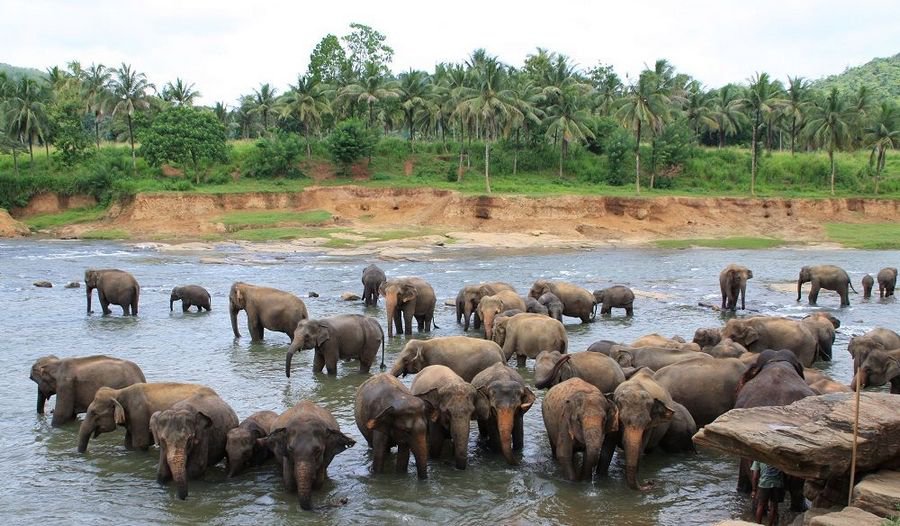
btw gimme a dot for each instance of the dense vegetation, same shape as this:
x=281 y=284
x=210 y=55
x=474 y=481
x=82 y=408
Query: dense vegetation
x=880 y=75
x=543 y=128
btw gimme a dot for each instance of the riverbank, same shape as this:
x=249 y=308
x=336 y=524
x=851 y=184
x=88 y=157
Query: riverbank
x=355 y=219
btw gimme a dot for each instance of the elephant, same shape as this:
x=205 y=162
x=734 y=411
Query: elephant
x=707 y=388
x=372 y=278
x=241 y=446
x=454 y=399
x=190 y=295
x=131 y=408
x=879 y=368
x=887 y=280
x=533 y=306
x=827 y=277
x=759 y=333
x=617 y=296
x=877 y=339
x=646 y=411
x=491 y=306
x=822 y=325
x=658 y=340
x=469 y=296
x=553 y=304
x=776 y=379
x=707 y=336
x=733 y=283
x=267 y=308
x=305 y=439
x=346 y=336
x=405 y=298
x=726 y=348
x=502 y=401
x=867 y=283
x=526 y=335
x=604 y=346
x=115 y=287
x=579 y=418
x=388 y=414
x=191 y=436
x=599 y=370
x=821 y=383
x=465 y=356
x=75 y=381
x=653 y=358
x=577 y=302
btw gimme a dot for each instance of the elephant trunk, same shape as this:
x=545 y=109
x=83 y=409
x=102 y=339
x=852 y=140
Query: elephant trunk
x=419 y=450
x=177 y=460
x=390 y=306
x=84 y=435
x=860 y=379
x=295 y=346
x=459 y=432
x=505 y=420
x=88 y=290
x=799 y=288
x=632 y=440
x=304 y=473
x=234 y=327
x=488 y=321
x=171 y=303
x=593 y=442
x=41 y=400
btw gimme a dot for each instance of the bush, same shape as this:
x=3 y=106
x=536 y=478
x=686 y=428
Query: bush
x=349 y=142
x=275 y=157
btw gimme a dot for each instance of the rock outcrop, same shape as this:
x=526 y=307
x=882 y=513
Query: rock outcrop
x=9 y=227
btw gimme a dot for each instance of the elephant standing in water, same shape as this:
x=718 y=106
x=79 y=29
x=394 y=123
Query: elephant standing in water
x=492 y=306
x=867 y=283
x=827 y=277
x=372 y=278
x=732 y=283
x=468 y=298
x=597 y=369
x=346 y=336
x=267 y=308
x=190 y=295
x=405 y=298
x=465 y=356
x=617 y=296
x=241 y=446
x=887 y=280
x=577 y=301
x=454 y=400
x=502 y=401
x=115 y=287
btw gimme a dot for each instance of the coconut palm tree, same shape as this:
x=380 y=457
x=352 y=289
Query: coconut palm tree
x=263 y=102
x=26 y=113
x=413 y=92
x=761 y=99
x=96 y=94
x=727 y=112
x=699 y=109
x=372 y=89
x=308 y=102
x=180 y=93
x=796 y=105
x=130 y=91
x=525 y=97
x=882 y=135
x=568 y=117
x=244 y=116
x=831 y=125
x=644 y=104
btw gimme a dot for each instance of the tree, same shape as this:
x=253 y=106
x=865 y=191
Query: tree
x=644 y=104
x=831 y=125
x=727 y=112
x=761 y=99
x=796 y=105
x=367 y=47
x=26 y=113
x=525 y=98
x=698 y=109
x=96 y=92
x=413 y=91
x=307 y=101
x=568 y=118
x=882 y=135
x=373 y=88
x=349 y=142
x=263 y=101
x=70 y=138
x=180 y=93
x=328 y=62
x=607 y=88
x=184 y=136
x=130 y=90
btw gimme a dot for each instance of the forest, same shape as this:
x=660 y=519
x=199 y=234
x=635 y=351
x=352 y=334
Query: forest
x=547 y=126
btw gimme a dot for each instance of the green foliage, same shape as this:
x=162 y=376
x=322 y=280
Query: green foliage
x=734 y=243
x=248 y=219
x=328 y=62
x=880 y=75
x=72 y=140
x=275 y=157
x=349 y=142
x=68 y=217
x=186 y=137
x=878 y=236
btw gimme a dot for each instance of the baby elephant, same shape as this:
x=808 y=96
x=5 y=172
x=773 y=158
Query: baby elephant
x=190 y=295
x=454 y=399
x=553 y=304
x=617 y=296
x=241 y=446
x=579 y=418
x=346 y=336
x=526 y=335
x=867 y=283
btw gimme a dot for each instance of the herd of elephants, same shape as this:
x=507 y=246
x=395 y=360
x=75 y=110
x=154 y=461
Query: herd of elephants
x=654 y=392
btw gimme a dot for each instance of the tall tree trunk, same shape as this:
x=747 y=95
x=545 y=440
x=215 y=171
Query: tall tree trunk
x=721 y=138
x=753 y=156
x=97 y=129
x=31 y=151
x=47 y=149
x=831 y=158
x=637 y=158
x=516 y=155
x=16 y=166
x=793 y=132
x=308 y=149
x=131 y=138
x=487 y=166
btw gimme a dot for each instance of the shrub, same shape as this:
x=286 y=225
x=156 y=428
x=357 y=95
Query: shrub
x=349 y=142
x=275 y=157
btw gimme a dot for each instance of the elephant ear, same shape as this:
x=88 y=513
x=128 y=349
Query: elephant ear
x=408 y=293
x=623 y=358
x=750 y=335
x=154 y=427
x=379 y=419
x=431 y=397
x=749 y=274
x=528 y=399
x=570 y=418
x=482 y=404
x=323 y=334
x=660 y=412
x=612 y=415
x=274 y=441
x=203 y=420
x=119 y=413
x=338 y=441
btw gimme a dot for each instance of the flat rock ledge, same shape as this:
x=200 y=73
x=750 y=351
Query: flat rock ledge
x=847 y=517
x=878 y=493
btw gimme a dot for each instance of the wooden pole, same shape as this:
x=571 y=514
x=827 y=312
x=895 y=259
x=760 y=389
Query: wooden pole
x=855 y=437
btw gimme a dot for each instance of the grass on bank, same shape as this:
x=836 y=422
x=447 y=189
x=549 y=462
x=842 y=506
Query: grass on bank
x=732 y=243
x=112 y=234
x=874 y=236
x=260 y=218
x=68 y=217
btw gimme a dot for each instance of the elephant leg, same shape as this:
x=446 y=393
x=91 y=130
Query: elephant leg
x=163 y=473
x=402 y=458
x=484 y=433
x=129 y=440
x=104 y=303
x=255 y=326
x=814 y=293
x=606 y=454
x=743 y=485
x=318 y=361
x=407 y=319
x=794 y=486
x=398 y=320
x=185 y=305
x=380 y=448
x=566 y=458
x=331 y=359
x=521 y=360
x=845 y=297
x=606 y=310
x=420 y=323
x=518 y=434
x=435 y=439
x=629 y=311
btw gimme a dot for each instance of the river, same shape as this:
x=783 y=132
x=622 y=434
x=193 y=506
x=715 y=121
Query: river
x=49 y=481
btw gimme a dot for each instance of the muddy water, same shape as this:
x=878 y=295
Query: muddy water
x=47 y=480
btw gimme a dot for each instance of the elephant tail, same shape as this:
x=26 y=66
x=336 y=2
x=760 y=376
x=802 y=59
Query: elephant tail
x=383 y=366
x=594 y=311
x=849 y=282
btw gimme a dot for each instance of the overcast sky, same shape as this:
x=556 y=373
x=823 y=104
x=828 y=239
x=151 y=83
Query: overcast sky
x=229 y=48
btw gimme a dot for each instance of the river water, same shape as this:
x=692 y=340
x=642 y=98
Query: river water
x=47 y=480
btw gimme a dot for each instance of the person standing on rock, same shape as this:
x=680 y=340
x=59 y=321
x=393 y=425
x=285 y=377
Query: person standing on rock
x=768 y=491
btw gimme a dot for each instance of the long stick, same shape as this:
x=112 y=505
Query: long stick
x=855 y=436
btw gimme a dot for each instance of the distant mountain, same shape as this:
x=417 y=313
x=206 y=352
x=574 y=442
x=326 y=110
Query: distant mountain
x=15 y=72
x=882 y=75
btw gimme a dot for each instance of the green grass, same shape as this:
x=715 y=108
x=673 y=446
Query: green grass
x=728 y=242
x=283 y=233
x=877 y=236
x=262 y=218
x=110 y=234
x=69 y=217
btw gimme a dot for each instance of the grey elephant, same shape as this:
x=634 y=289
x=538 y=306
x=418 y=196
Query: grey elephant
x=191 y=436
x=533 y=306
x=131 y=408
x=75 y=381
x=454 y=400
x=878 y=368
x=887 y=280
x=492 y=306
x=388 y=414
x=526 y=335
x=827 y=277
x=305 y=439
x=266 y=308
x=241 y=446
x=372 y=278
x=579 y=418
x=823 y=326
x=115 y=287
x=879 y=339
x=502 y=401
x=553 y=304
x=465 y=356
x=733 y=283
x=653 y=358
x=405 y=298
x=658 y=340
x=345 y=337
x=617 y=296
x=758 y=333
x=599 y=370
x=190 y=296
x=867 y=283
x=469 y=296
x=707 y=388
x=577 y=301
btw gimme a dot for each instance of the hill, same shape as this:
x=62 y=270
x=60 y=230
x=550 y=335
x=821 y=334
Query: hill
x=882 y=75
x=15 y=72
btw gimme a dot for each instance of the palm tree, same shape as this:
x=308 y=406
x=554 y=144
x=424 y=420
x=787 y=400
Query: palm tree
x=525 y=97
x=882 y=135
x=25 y=112
x=180 y=93
x=414 y=90
x=372 y=88
x=263 y=102
x=307 y=101
x=244 y=115
x=644 y=104
x=567 y=117
x=727 y=112
x=796 y=105
x=698 y=109
x=831 y=125
x=130 y=90
x=762 y=98
x=95 y=90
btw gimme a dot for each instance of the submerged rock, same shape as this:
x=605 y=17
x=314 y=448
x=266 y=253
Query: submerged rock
x=313 y=294
x=44 y=284
x=349 y=296
x=73 y=285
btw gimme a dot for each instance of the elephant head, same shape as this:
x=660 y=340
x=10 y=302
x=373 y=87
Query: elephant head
x=505 y=401
x=861 y=346
x=180 y=435
x=240 y=444
x=878 y=368
x=707 y=337
x=407 y=416
x=547 y=368
x=741 y=331
x=639 y=411
x=805 y=277
x=91 y=282
x=43 y=373
x=455 y=406
x=499 y=329
x=411 y=359
x=588 y=417
x=622 y=355
x=103 y=415
x=175 y=296
x=767 y=357
x=488 y=309
x=305 y=450
x=237 y=301
x=309 y=334
x=539 y=288
x=396 y=293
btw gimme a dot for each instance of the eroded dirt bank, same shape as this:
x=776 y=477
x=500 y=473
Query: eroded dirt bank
x=498 y=220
